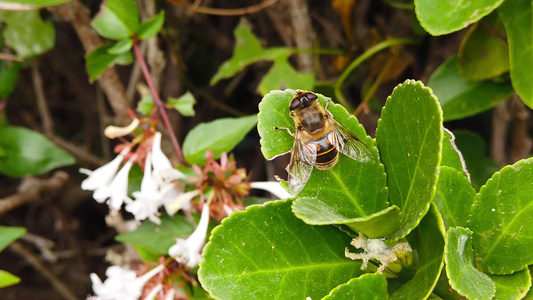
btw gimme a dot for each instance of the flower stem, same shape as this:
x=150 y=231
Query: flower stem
x=159 y=104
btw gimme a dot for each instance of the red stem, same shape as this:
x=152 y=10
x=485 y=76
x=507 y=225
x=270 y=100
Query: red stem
x=157 y=100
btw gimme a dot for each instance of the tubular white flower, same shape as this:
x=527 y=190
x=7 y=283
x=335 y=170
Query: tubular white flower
x=272 y=187
x=118 y=188
x=103 y=175
x=188 y=251
x=179 y=200
x=163 y=170
x=154 y=292
x=147 y=200
x=121 y=283
x=112 y=132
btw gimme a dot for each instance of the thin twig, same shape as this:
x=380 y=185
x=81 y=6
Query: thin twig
x=303 y=32
x=227 y=12
x=136 y=75
x=43 y=244
x=500 y=120
x=158 y=101
x=521 y=142
x=36 y=263
x=11 y=57
x=44 y=111
x=32 y=189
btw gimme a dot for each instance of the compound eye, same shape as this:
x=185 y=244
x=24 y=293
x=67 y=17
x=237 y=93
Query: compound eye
x=295 y=103
x=311 y=96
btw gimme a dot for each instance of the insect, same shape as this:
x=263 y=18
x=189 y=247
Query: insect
x=318 y=139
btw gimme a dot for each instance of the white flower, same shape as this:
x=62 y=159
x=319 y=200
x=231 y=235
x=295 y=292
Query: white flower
x=154 y=292
x=175 y=200
x=147 y=200
x=113 y=132
x=163 y=170
x=102 y=176
x=117 y=190
x=273 y=187
x=188 y=251
x=121 y=283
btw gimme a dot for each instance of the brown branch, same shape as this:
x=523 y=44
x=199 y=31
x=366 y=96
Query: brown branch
x=500 y=119
x=34 y=261
x=226 y=12
x=303 y=32
x=10 y=57
x=44 y=111
x=521 y=143
x=78 y=15
x=33 y=189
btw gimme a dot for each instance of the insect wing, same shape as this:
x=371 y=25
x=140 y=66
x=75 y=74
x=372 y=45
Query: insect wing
x=348 y=144
x=303 y=159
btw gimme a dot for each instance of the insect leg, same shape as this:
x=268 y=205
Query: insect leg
x=327 y=103
x=284 y=128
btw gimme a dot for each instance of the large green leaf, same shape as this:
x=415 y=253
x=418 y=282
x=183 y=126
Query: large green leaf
x=501 y=218
x=27 y=33
x=512 y=286
x=158 y=238
x=474 y=153
x=409 y=138
x=28 y=4
x=282 y=76
x=463 y=276
x=101 y=59
x=28 y=152
x=455 y=196
x=442 y=17
x=484 y=53
x=427 y=241
x=460 y=99
x=7 y=279
x=218 y=136
x=451 y=155
x=9 y=73
x=117 y=19
x=365 y=287
x=268 y=253
x=518 y=19
x=9 y=234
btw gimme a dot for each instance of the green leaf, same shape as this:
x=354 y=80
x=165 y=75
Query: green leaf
x=27 y=33
x=100 y=59
x=148 y=255
x=455 y=196
x=282 y=76
x=365 y=287
x=248 y=50
x=267 y=253
x=158 y=238
x=474 y=153
x=151 y=28
x=145 y=105
x=500 y=219
x=517 y=17
x=443 y=17
x=117 y=19
x=409 y=138
x=7 y=279
x=460 y=99
x=427 y=241
x=9 y=73
x=218 y=136
x=184 y=104
x=28 y=4
x=121 y=47
x=484 y=53
x=451 y=155
x=9 y=234
x=30 y=153
x=512 y=286
x=459 y=257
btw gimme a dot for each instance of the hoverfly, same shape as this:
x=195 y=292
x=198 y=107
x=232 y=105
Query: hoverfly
x=318 y=139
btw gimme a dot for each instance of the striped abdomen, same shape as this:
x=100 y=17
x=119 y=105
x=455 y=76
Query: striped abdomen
x=326 y=154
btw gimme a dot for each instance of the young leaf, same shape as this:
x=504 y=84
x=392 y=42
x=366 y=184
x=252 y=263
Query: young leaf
x=145 y=105
x=427 y=241
x=282 y=76
x=218 y=136
x=512 y=286
x=121 y=47
x=459 y=257
x=517 y=17
x=117 y=19
x=484 y=53
x=266 y=252
x=451 y=155
x=27 y=33
x=9 y=234
x=9 y=73
x=100 y=59
x=455 y=196
x=28 y=4
x=500 y=219
x=409 y=139
x=460 y=99
x=184 y=104
x=151 y=28
x=158 y=238
x=443 y=17
x=7 y=279
x=30 y=153
x=365 y=287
